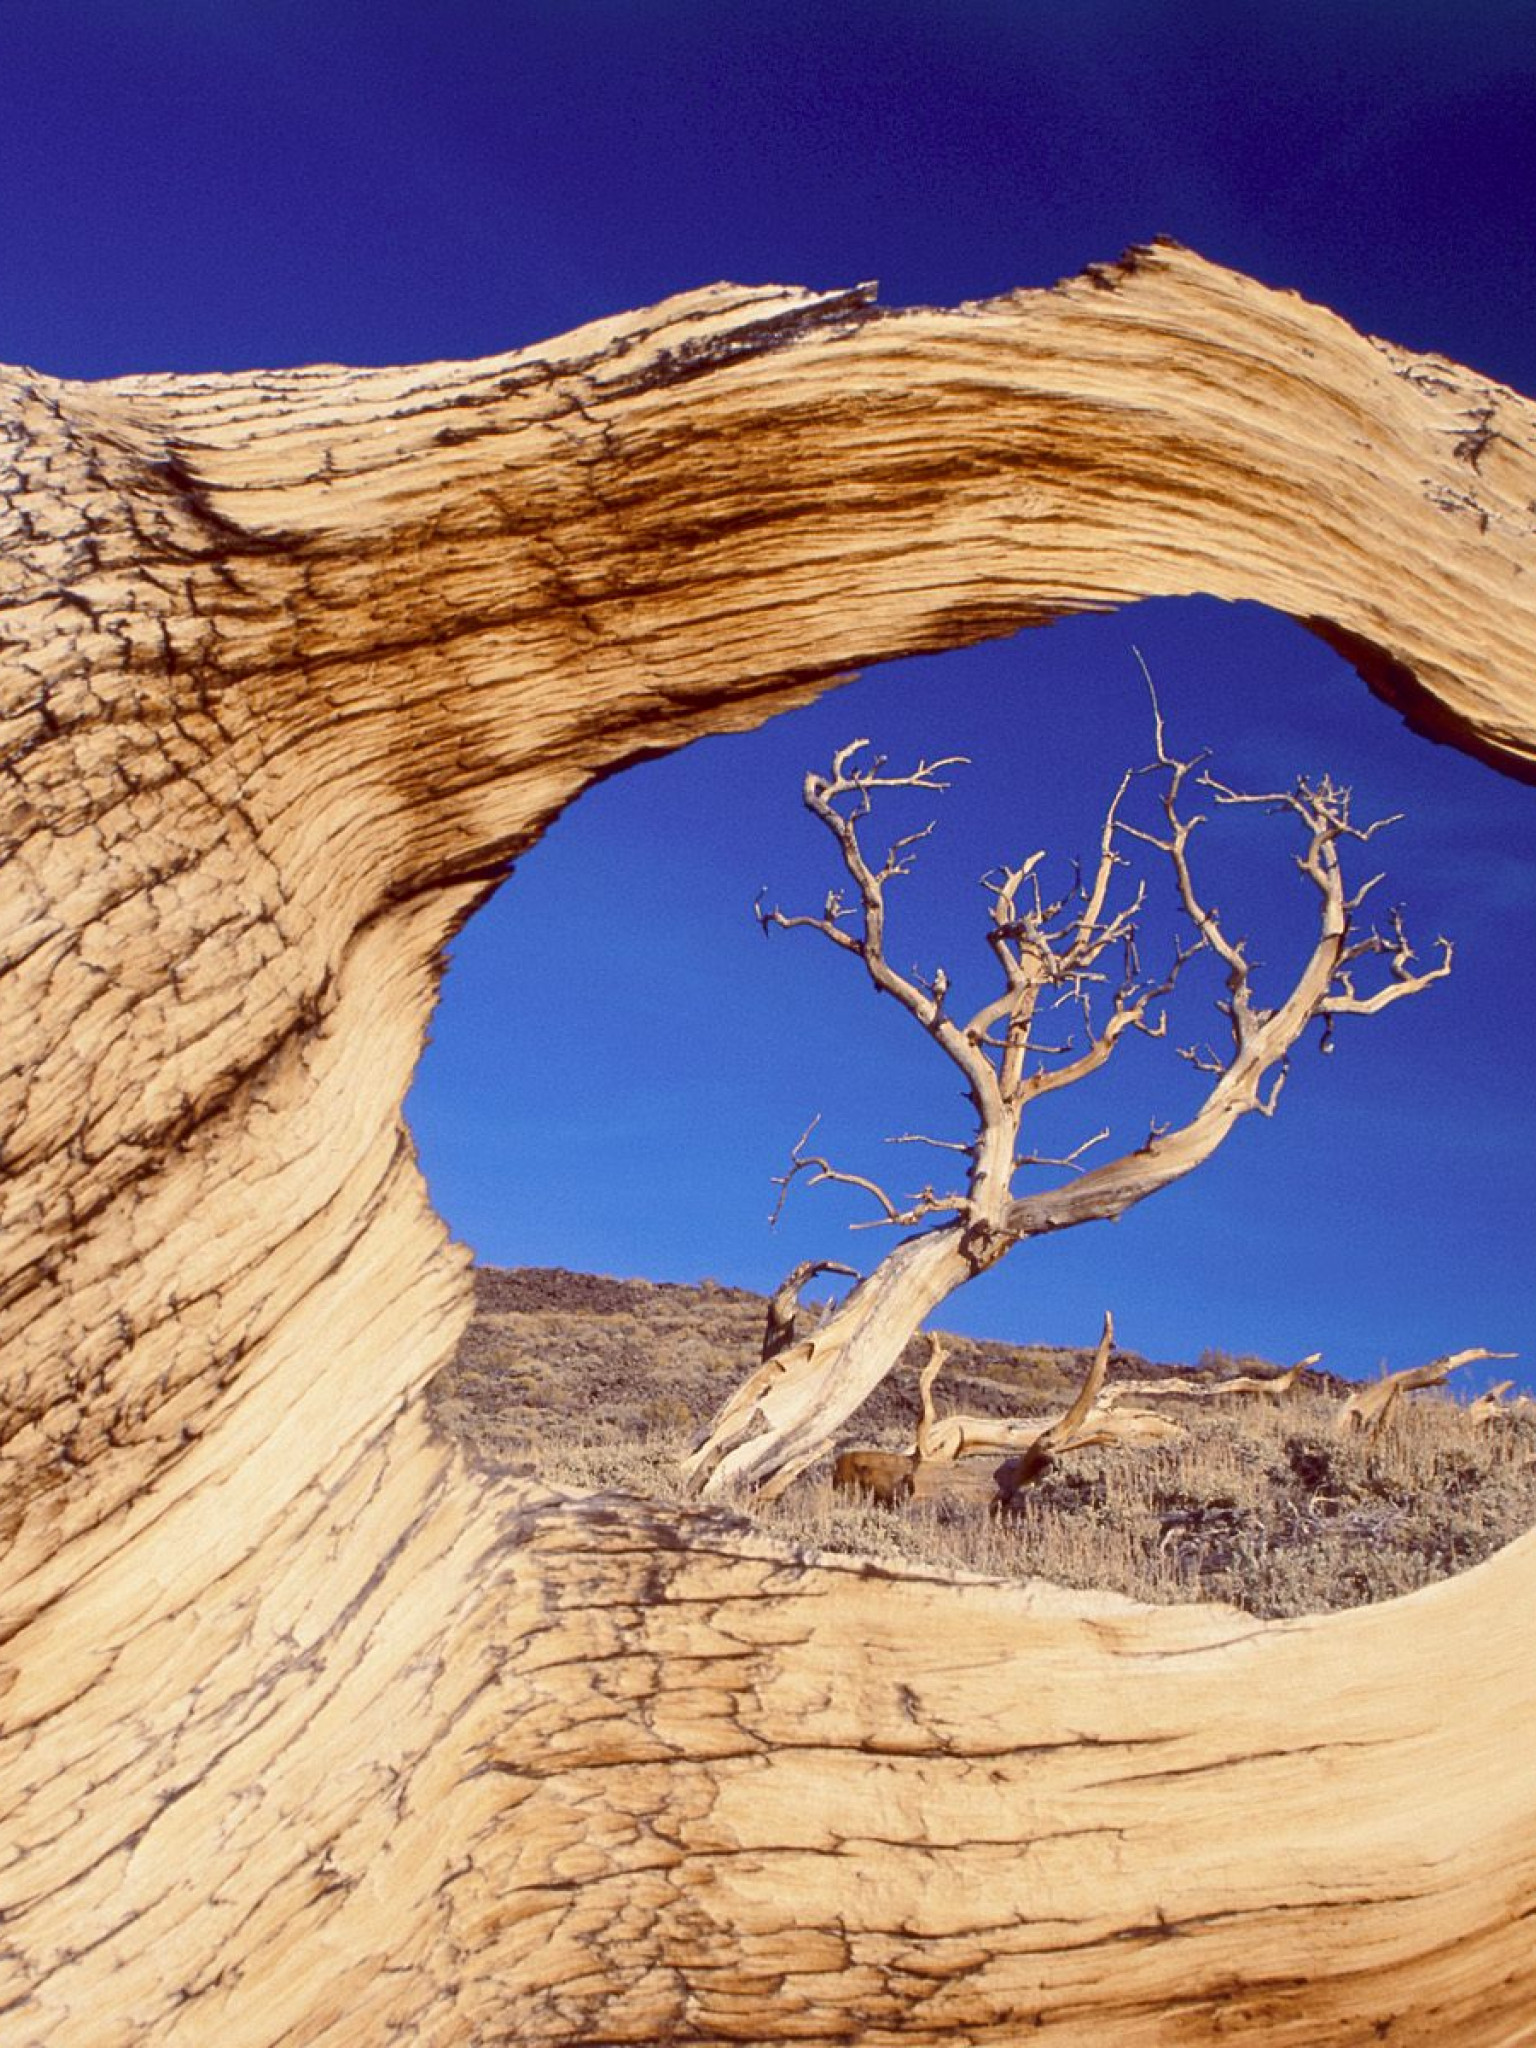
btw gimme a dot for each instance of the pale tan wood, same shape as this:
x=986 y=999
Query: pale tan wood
x=785 y=1415
x=1492 y=1401
x=1032 y=1448
x=1370 y=1407
x=312 y=1735
x=1270 y=1384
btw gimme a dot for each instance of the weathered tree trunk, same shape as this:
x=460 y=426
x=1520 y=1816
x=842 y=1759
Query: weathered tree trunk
x=310 y=1734
x=781 y=1324
x=795 y=1406
x=804 y=1393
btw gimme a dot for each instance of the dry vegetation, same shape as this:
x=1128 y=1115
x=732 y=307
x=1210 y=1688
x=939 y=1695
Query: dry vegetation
x=602 y=1384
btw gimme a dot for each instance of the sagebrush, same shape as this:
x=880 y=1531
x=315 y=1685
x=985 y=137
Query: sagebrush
x=602 y=1384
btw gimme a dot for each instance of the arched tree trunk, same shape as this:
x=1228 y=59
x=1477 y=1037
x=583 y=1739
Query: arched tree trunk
x=309 y=1733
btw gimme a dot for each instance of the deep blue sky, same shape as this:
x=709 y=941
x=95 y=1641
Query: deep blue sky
x=195 y=184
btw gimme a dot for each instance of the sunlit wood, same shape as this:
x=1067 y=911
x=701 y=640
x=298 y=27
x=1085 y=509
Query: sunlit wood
x=310 y=1734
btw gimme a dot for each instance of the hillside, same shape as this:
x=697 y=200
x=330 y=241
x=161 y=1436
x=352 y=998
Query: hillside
x=601 y=1384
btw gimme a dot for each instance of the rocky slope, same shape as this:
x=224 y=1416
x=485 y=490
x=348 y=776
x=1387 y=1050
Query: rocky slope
x=1266 y=1505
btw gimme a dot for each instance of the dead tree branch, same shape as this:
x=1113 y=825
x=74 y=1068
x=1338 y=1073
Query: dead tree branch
x=784 y=1306
x=1492 y=1401
x=1271 y=1384
x=1090 y=1420
x=1075 y=947
x=1370 y=1407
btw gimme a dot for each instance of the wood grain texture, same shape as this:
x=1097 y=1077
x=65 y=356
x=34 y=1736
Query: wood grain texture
x=310 y=1734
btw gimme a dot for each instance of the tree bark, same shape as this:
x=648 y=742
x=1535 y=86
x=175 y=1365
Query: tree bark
x=785 y=1414
x=797 y=1407
x=307 y=1732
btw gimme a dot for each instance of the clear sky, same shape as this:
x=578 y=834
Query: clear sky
x=198 y=184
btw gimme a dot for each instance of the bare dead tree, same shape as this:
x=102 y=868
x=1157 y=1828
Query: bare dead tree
x=1029 y=1449
x=1370 y=1408
x=1270 y=1384
x=1092 y=1419
x=1087 y=1424
x=1075 y=953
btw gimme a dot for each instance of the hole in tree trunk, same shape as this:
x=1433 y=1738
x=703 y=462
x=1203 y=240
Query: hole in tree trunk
x=621 y=1062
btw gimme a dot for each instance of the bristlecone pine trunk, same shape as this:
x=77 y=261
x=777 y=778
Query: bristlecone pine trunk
x=1082 y=947
x=312 y=1735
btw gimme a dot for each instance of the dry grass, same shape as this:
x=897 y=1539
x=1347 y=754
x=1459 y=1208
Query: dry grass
x=601 y=1384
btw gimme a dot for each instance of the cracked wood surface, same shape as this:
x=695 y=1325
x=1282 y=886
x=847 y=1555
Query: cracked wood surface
x=307 y=1733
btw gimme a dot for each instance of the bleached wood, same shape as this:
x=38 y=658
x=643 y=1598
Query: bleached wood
x=1369 y=1407
x=310 y=1733
x=1492 y=1400
x=1090 y=1422
x=1274 y=1383
x=774 y=1425
x=784 y=1305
